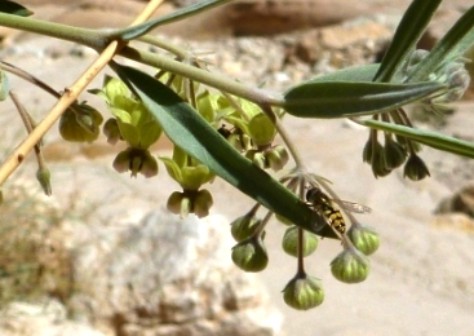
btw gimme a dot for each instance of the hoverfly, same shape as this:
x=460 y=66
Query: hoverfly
x=328 y=208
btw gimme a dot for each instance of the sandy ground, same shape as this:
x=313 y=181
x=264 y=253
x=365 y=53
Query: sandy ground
x=421 y=278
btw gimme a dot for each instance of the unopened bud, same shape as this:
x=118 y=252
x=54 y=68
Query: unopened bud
x=250 y=255
x=350 y=266
x=415 y=169
x=43 y=176
x=364 y=239
x=290 y=242
x=244 y=227
x=303 y=292
x=394 y=154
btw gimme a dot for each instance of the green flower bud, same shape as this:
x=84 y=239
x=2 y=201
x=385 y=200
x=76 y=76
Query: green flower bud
x=277 y=157
x=374 y=153
x=372 y=145
x=350 y=266
x=415 y=169
x=290 y=241
x=394 y=154
x=364 y=239
x=367 y=152
x=262 y=130
x=111 y=131
x=244 y=227
x=80 y=126
x=43 y=176
x=303 y=292
x=202 y=203
x=379 y=165
x=250 y=255
x=458 y=80
x=414 y=59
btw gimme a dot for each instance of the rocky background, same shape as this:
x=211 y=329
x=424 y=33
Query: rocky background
x=103 y=257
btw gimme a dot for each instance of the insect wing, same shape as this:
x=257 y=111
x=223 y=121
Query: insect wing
x=353 y=207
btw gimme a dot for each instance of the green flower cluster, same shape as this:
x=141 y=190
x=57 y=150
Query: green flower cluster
x=398 y=150
x=304 y=291
x=241 y=122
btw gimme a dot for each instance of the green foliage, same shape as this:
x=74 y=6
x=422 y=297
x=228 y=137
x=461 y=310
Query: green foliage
x=180 y=14
x=223 y=128
x=303 y=292
x=337 y=99
x=290 y=242
x=188 y=130
x=80 y=123
x=350 y=266
x=10 y=7
x=409 y=31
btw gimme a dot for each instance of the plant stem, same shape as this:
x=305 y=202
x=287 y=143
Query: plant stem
x=29 y=77
x=165 y=45
x=300 y=247
x=98 y=40
x=286 y=138
x=93 y=38
x=218 y=81
x=29 y=125
x=134 y=31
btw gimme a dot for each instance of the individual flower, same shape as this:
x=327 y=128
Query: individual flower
x=350 y=266
x=250 y=255
x=303 y=292
x=363 y=238
x=290 y=241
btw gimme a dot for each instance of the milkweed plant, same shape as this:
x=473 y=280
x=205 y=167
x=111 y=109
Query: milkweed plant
x=222 y=127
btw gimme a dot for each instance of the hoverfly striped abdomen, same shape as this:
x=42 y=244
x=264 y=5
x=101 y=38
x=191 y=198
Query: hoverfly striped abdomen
x=320 y=202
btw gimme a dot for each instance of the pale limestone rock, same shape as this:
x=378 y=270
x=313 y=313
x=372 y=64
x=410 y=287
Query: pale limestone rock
x=45 y=319
x=170 y=276
x=158 y=276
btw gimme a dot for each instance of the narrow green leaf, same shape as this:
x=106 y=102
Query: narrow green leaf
x=429 y=138
x=334 y=99
x=455 y=43
x=14 y=8
x=408 y=32
x=182 y=13
x=188 y=130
